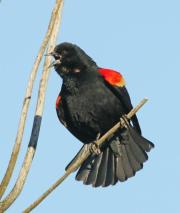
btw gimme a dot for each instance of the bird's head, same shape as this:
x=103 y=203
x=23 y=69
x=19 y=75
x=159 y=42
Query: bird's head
x=70 y=59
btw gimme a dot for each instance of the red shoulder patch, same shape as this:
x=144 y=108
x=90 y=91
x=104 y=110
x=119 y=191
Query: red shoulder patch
x=112 y=77
x=58 y=100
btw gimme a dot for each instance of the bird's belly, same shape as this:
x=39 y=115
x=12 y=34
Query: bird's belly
x=93 y=115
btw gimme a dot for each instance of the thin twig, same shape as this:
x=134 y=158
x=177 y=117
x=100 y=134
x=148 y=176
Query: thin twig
x=83 y=157
x=25 y=107
x=37 y=120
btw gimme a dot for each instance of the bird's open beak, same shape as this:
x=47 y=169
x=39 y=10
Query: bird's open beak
x=57 y=60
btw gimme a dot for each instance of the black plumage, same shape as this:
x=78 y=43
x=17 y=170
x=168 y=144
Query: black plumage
x=89 y=105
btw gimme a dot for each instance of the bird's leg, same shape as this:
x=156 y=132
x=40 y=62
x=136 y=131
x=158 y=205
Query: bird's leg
x=78 y=156
x=94 y=147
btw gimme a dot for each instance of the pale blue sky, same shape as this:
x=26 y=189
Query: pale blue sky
x=139 y=38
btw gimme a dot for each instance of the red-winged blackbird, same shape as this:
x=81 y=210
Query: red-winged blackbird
x=91 y=101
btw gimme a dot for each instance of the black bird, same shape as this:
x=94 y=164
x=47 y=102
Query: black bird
x=91 y=101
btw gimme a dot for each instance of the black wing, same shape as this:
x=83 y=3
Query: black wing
x=123 y=95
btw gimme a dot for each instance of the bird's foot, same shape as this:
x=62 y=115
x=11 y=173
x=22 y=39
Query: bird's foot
x=124 y=121
x=94 y=147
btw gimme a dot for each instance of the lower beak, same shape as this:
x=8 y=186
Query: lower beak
x=54 y=63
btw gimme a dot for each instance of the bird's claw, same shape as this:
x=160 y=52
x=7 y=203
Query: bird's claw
x=94 y=148
x=124 y=121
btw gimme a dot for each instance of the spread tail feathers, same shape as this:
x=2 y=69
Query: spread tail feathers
x=121 y=159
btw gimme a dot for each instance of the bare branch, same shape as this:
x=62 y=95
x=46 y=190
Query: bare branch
x=37 y=119
x=83 y=156
x=26 y=102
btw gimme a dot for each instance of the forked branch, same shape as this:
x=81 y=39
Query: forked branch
x=37 y=119
x=26 y=102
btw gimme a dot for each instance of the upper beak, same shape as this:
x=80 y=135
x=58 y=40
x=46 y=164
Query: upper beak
x=54 y=54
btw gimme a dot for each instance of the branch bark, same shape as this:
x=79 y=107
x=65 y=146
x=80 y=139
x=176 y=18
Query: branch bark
x=83 y=156
x=26 y=102
x=38 y=115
